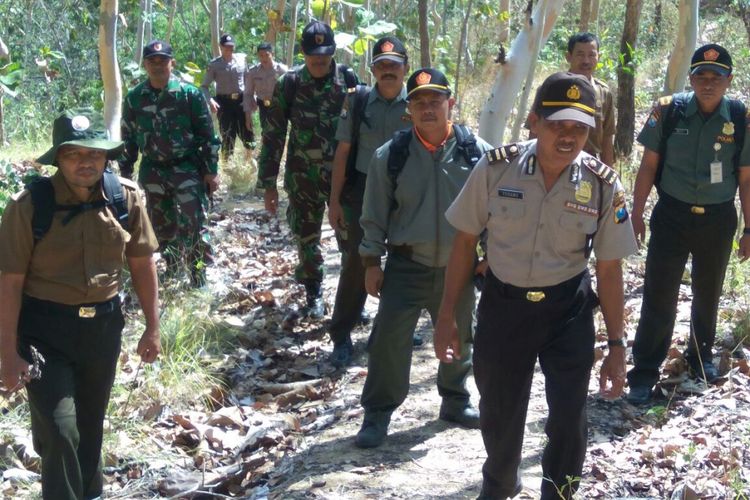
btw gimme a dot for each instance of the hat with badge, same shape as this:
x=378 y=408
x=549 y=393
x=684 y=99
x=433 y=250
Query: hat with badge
x=566 y=96
x=226 y=40
x=80 y=127
x=427 y=79
x=317 y=39
x=389 y=48
x=711 y=57
x=157 y=48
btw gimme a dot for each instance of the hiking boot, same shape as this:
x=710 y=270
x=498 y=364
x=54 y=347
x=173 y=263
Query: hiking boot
x=373 y=431
x=639 y=394
x=703 y=371
x=342 y=353
x=466 y=416
x=315 y=306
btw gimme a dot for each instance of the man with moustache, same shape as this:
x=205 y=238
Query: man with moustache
x=259 y=83
x=373 y=115
x=169 y=123
x=546 y=206
x=309 y=98
x=411 y=181
x=695 y=156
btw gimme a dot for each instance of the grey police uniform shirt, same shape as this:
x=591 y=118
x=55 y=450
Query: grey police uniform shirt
x=260 y=81
x=380 y=120
x=413 y=213
x=229 y=76
x=538 y=238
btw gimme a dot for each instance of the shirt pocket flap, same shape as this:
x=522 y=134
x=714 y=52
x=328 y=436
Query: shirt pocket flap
x=507 y=209
x=578 y=222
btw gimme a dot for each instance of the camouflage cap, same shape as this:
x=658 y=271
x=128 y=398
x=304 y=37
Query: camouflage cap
x=80 y=127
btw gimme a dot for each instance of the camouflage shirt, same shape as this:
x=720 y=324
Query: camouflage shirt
x=313 y=112
x=170 y=125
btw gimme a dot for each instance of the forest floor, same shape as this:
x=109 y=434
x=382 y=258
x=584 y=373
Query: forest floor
x=281 y=422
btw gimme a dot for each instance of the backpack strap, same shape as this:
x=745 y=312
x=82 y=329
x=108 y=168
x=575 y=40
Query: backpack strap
x=466 y=145
x=43 y=199
x=738 y=112
x=672 y=109
x=115 y=194
x=398 y=153
x=289 y=90
x=350 y=77
x=358 y=101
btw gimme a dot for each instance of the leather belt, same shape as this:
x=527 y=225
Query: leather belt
x=86 y=311
x=563 y=290
x=710 y=208
x=402 y=250
x=235 y=96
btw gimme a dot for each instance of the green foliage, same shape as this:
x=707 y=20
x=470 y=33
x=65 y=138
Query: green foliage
x=11 y=182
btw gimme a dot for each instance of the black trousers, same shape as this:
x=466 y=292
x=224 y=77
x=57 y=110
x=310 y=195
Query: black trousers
x=350 y=293
x=69 y=402
x=232 y=124
x=512 y=333
x=676 y=233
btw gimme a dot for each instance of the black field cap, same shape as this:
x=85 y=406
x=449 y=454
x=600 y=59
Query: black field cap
x=265 y=46
x=427 y=79
x=711 y=57
x=80 y=127
x=389 y=48
x=317 y=39
x=227 y=40
x=566 y=96
x=157 y=48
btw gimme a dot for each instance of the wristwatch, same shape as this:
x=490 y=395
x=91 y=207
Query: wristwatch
x=621 y=342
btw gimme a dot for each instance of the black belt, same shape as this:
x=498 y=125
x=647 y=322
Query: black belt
x=77 y=311
x=234 y=97
x=564 y=290
x=711 y=208
x=402 y=250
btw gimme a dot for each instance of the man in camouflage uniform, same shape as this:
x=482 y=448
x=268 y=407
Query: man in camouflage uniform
x=169 y=122
x=310 y=97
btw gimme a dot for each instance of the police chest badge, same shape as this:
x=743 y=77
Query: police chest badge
x=620 y=209
x=728 y=128
x=583 y=192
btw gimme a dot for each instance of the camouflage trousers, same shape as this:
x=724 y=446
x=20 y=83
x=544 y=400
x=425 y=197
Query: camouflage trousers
x=178 y=206
x=308 y=185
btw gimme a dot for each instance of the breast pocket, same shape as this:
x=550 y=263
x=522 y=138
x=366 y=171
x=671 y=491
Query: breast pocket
x=506 y=209
x=572 y=232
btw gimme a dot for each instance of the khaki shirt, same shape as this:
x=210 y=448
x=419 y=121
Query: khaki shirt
x=229 y=76
x=605 y=118
x=259 y=82
x=538 y=238
x=81 y=262
x=411 y=212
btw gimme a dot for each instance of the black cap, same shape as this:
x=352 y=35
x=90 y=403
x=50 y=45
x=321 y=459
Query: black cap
x=227 y=40
x=80 y=127
x=265 y=46
x=157 y=48
x=317 y=39
x=566 y=96
x=427 y=79
x=389 y=48
x=711 y=57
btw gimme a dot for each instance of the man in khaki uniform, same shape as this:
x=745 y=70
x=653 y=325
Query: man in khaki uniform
x=259 y=83
x=59 y=286
x=545 y=205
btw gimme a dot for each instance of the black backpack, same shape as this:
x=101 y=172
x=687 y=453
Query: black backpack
x=674 y=111
x=358 y=103
x=291 y=81
x=43 y=199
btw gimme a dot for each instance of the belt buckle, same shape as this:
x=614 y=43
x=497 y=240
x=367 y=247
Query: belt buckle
x=235 y=96
x=267 y=102
x=697 y=210
x=87 y=312
x=535 y=296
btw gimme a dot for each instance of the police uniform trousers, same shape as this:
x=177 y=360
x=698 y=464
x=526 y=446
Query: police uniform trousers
x=69 y=402
x=512 y=333
x=350 y=293
x=409 y=287
x=677 y=231
x=232 y=123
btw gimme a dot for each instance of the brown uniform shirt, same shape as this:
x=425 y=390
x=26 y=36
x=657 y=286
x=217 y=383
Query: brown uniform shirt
x=605 y=118
x=81 y=262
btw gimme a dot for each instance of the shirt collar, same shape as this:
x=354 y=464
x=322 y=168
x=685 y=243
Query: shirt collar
x=376 y=95
x=173 y=85
x=692 y=107
x=63 y=193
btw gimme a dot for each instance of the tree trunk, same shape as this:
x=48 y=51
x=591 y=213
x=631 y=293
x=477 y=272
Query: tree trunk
x=585 y=15
x=275 y=21
x=626 y=80
x=142 y=35
x=509 y=79
x=213 y=20
x=438 y=22
x=679 y=63
x=505 y=23
x=742 y=9
x=108 y=11
x=4 y=53
x=461 y=47
x=292 y=34
x=424 y=35
x=170 y=21
x=594 y=19
x=2 y=120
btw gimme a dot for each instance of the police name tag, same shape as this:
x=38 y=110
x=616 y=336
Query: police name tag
x=716 y=174
x=510 y=193
x=681 y=131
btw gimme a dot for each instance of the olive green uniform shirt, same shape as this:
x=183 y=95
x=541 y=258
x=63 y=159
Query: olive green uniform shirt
x=538 y=238
x=81 y=262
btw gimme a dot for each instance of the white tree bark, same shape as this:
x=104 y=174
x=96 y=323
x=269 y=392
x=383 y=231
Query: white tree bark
x=143 y=34
x=170 y=22
x=679 y=62
x=292 y=34
x=497 y=109
x=109 y=68
x=4 y=52
x=213 y=14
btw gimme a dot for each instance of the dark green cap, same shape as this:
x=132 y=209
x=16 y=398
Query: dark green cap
x=80 y=127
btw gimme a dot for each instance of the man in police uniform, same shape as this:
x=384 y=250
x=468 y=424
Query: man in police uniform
x=695 y=216
x=309 y=97
x=403 y=215
x=228 y=71
x=59 y=297
x=384 y=113
x=169 y=123
x=545 y=205
x=259 y=83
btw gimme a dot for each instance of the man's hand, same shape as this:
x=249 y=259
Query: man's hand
x=447 y=346
x=373 y=280
x=613 y=371
x=336 y=215
x=211 y=181
x=16 y=372
x=639 y=228
x=744 y=251
x=271 y=200
x=149 y=346
x=213 y=105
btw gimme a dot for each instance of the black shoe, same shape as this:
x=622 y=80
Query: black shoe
x=342 y=354
x=418 y=340
x=639 y=394
x=315 y=306
x=468 y=416
x=373 y=432
x=703 y=371
x=364 y=319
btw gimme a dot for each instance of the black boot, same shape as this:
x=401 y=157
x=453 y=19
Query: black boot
x=315 y=307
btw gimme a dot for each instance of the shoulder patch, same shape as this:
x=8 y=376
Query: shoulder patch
x=600 y=169
x=665 y=100
x=20 y=195
x=504 y=153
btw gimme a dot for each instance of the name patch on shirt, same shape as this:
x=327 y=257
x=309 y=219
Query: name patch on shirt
x=510 y=193
x=582 y=208
x=682 y=131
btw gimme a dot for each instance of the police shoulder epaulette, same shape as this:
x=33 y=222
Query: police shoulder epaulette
x=601 y=170
x=665 y=100
x=601 y=83
x=130 y=184
x=503 y=153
